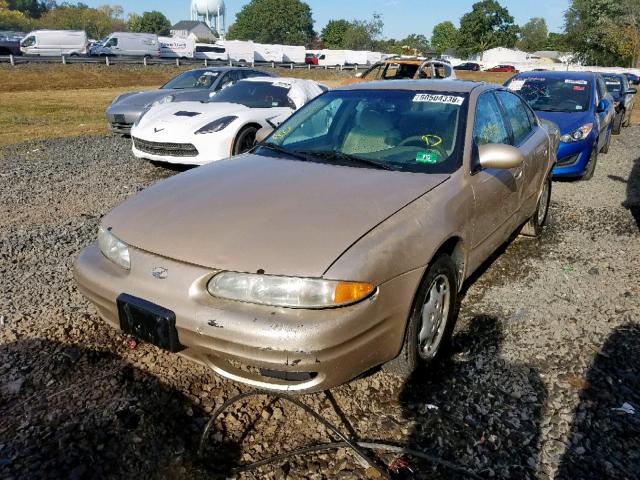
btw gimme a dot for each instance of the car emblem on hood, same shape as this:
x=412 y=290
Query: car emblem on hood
x=160 y=273
x=156 y=130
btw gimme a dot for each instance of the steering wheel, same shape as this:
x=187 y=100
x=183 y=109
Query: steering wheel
x=431 y=142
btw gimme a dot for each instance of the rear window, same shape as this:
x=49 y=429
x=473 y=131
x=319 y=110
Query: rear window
x=255 y=95
x=614 y=85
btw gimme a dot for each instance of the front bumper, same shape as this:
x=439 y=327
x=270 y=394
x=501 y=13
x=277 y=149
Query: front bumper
x=189 y=150
x=121 y=121
x=271 y=348
x=573 y=158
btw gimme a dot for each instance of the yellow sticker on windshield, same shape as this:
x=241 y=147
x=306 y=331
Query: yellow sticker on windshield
x=432 y=140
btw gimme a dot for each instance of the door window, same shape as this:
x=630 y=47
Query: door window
x=229 y=79
x=29 y=42
x=517 y=116
x=113 y=42
x=489 y=124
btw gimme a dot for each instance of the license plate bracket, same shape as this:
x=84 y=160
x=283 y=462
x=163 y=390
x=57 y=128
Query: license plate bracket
x=148 y=322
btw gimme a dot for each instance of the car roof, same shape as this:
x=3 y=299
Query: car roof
x=417 y=85
x=554 y=74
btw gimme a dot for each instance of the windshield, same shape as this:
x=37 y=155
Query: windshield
x=416 y=131
x=553 y=94
x=193 y=79
x=614 y=85
x=256 y=95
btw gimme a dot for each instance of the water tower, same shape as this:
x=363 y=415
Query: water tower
x=212 y=12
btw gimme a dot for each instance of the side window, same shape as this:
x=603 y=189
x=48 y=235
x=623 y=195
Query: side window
x=517 y=116
x=600 y=89
x=229 y=79
x=375 y=73
x=29 y=42
x=252 y=73
x=112 y=42
x=489 y=126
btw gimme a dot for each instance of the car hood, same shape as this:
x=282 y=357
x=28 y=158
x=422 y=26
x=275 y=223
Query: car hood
x=251 y=213
x=567 y=122
x=142 y=99
x=185 y=117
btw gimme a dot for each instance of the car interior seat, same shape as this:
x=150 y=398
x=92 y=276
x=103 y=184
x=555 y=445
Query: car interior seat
x=374 y=131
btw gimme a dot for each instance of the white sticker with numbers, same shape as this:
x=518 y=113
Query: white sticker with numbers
x=431 y=98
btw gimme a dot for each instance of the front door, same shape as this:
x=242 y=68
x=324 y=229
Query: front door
x=496 y=191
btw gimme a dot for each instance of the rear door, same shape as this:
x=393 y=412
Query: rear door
x=496 y=191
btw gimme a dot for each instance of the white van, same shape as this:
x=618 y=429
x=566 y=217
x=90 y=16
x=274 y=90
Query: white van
x=133 y=44
x=55 y=42
x=240 y=50
x=174 y=47
x=206 y=51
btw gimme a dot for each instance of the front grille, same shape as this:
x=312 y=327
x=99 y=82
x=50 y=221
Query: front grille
x=121 y=126
x=166 y=149
x=568 y=160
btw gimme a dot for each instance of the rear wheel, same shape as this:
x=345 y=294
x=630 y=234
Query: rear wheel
x=245 y=140
x=617 y=123
x=431 y=320
x=590 y=169
x=536 y=223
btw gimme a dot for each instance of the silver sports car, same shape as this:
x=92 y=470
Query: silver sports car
x=192 y=85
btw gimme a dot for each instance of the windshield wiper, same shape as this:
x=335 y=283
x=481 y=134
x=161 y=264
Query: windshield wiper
x=345 y=157
x=279 y=149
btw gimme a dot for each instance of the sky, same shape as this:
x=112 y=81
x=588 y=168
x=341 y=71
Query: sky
x=401 y=17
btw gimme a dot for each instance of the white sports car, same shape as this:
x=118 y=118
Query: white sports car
x=196 y=133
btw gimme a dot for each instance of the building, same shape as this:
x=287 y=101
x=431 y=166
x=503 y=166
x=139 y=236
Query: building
x=198 y=31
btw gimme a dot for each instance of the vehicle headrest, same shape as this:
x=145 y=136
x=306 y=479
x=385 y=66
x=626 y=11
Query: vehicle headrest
x=375 y=121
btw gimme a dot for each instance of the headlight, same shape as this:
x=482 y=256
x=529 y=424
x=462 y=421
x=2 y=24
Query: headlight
x=287 y=291
x=163 y=100
x=216 y=125
x=578 y=134
x=113 y=248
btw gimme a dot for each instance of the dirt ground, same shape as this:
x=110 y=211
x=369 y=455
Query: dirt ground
x=543 y=380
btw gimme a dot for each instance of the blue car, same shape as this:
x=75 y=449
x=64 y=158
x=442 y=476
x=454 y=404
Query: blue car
x=578 y=102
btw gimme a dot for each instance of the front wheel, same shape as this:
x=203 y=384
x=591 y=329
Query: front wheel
x=536 y=223
x=245 y=140
x=432 y=318
x=590 y=169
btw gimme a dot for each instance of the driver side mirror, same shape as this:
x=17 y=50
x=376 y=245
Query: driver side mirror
x=263 y=133
x=498 y=155
x=632 y=91
x=602 y=107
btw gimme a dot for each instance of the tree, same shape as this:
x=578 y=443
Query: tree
x=444 y=36
x=415 y=44
x=488 y=25
x=149 y=22
x=364 y=34
x=97 y=22
x=604 y=32
x=287 y=22
x=13 y=19
x=334 y=32
x=533 y=35
x=31 y=8
x=557 y=41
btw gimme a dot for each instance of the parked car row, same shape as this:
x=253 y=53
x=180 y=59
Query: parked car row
x=587 y=107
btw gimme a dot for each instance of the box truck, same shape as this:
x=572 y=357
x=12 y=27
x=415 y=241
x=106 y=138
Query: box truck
x=131 y=44
x=55 y=42
x=174 y=47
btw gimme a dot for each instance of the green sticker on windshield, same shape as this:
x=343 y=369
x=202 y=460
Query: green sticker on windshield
x=429 y=156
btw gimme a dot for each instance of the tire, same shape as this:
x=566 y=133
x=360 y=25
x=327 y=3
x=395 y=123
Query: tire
x=590 y=169
x=245 y=140
x=605 y=148
x=439 y=284
x=536 y=223
x=617 y=123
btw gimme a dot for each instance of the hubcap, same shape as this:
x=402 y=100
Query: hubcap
x=544 y=203
x=435 y=313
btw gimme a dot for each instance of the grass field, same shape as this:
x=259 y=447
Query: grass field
x=47 y=101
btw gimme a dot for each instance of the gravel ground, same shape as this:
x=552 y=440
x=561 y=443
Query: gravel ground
x=542 y=381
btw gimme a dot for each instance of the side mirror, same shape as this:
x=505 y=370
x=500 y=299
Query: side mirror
x=632 y=91
x=498 y=155
x=602 y=107
x=359 y=75
x=263 y=133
